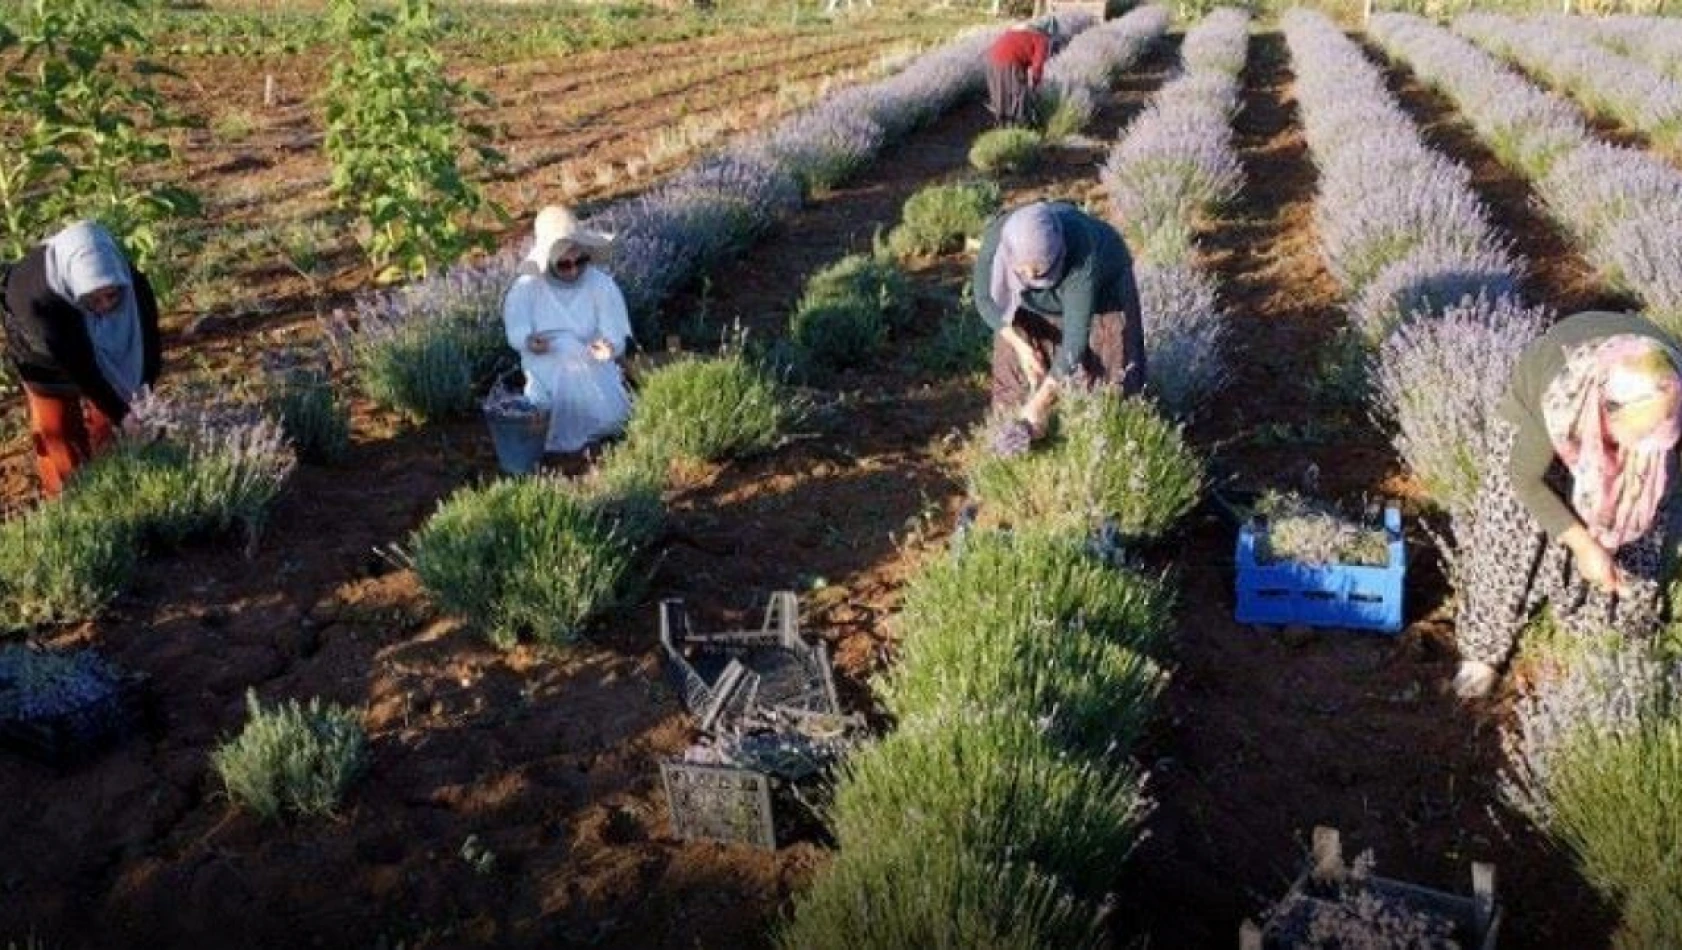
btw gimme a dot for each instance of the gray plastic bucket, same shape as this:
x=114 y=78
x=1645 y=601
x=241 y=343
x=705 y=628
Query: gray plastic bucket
x=518 y=440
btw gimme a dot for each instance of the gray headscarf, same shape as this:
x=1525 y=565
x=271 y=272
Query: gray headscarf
x=1031 y=237
x=81 y=259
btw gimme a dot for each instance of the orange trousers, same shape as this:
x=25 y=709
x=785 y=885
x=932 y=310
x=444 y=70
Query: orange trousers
x=67 y=430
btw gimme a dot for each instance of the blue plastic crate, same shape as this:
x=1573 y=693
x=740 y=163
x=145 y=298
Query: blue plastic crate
x=1332 y=595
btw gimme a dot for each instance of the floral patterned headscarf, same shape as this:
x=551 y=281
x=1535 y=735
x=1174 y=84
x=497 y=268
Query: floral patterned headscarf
x=1616 y=489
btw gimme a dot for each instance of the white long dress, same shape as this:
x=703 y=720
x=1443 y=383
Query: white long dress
x=586 y=397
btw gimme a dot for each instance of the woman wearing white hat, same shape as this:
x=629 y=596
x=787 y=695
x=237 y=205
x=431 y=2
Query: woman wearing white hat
x=567 y=320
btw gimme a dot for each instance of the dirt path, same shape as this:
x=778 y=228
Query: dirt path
x=1267 y=734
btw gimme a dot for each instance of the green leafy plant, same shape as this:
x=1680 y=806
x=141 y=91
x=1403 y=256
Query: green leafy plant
x=61 y=563
x=993 y=784
x=1617 y=803
x=938 y=218
x=291 y=758
x=1006 y=151
x=839 y=333
x=423 y=369
x=711 y=409
x=895 y=892
x=535 y=558
x=315 y=420
x=1109 y=457
x=872 y=279
x=395 y=141
x=79 y=126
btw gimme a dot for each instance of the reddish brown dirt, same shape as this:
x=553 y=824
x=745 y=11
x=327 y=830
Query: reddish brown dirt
x=550 y=760
x=1267 y=734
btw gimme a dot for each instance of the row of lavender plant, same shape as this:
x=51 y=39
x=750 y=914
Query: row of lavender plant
x=1173 y=167
x=1433 y=290
x=1623 y=206
x=1084 y=71
x=665 y=237
x=998 y=810
x=1597 y=728
x=1560 y=50
x=1654 y=40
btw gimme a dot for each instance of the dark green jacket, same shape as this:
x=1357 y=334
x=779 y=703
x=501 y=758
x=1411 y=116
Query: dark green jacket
x=1097 y=278
x=1533 y=451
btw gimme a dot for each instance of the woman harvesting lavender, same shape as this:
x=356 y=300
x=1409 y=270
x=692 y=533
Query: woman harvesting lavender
x=1056 y=286
x=82 y=332
x=567 y=320
x=1015 y=65
x=1577 y=502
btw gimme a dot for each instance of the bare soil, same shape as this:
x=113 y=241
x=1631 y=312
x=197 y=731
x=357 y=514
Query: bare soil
x=551 y=760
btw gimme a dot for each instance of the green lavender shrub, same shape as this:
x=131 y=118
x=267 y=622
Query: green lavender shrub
x=533 y=558
x=838 y=334
x=311 y=414
x=292 y=759
x=1006 y=151
x=61 y=563
x=938 y=218
x=868 y=278
x=711 y=409
x=1108 y=457
x=894 y=892
x=994 y=785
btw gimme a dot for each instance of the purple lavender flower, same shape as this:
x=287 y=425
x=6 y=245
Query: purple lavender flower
x=1011 y=439
x=1630 y=91
x=1185 y=335
x=1437 y=382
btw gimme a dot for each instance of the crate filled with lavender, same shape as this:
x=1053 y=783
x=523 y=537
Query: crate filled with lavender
x=1344 y=906
x=60 y=707
x=1302 y=562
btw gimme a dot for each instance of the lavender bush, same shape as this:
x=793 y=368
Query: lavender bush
x=1558 y=50
x=1185 y=336
x=292 y=758
x=61 y=563
x=1525 y=127
x=1089 y=64
x=996 y=785
x=894 y=892
x=1437 y=382
x=1399 y=224
x=1173 y=168
x=1654 y=40
x=529 y=559
x=1109 y=458
x=1615 y=201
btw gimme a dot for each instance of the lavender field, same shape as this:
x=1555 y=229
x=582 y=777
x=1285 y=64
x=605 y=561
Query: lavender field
x=396 y=696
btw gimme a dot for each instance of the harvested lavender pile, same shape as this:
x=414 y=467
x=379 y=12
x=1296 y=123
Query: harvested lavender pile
x=1346 y=913
x=39 y=686
x=1303 y=531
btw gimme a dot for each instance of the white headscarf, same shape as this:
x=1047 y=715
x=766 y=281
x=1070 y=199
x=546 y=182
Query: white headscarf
x=84 y=258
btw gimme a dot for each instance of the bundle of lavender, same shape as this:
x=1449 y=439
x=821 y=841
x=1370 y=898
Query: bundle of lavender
x=1304 y=531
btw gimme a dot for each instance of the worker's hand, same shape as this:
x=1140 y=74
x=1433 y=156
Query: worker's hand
x=601 y=349
x=537 y=343
x=1037 y=412
x=1594 y=562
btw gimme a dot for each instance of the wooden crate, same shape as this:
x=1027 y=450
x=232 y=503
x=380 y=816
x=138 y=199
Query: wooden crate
x=1477 y=919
